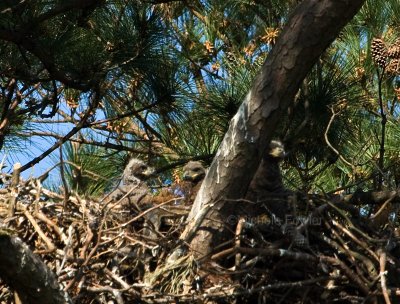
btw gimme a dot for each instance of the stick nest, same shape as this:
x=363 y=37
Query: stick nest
x=98 y=250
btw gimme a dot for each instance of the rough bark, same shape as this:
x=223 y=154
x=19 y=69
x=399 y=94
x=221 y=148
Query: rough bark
x=22 y=270
x=312 y=27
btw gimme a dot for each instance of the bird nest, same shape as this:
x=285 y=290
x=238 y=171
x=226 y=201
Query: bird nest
x=99 y=253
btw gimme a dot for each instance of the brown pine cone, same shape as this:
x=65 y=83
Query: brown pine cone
x=393 y=67
x=394 y=52
x=379 y=52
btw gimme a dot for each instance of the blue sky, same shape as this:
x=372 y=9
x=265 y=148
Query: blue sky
x=22 y=150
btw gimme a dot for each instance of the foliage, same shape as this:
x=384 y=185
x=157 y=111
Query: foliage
x=168 y=77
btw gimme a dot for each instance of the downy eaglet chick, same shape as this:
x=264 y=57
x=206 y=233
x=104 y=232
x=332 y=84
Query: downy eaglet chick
x=134 y=176
x=136 y=171
x=193 y=175
x=268 y=191
x=267 y=182
x=268 y=176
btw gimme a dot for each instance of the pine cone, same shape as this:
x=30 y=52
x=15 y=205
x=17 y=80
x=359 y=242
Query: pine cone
x=394 y=51
x=230 y=56
x=393 y=67
x=379 y=52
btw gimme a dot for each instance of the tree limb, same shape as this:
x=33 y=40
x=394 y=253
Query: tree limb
x=312 y=27
x=27 y=274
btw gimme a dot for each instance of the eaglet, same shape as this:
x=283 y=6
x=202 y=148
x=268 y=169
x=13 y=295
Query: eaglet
x=268 y=191
x=193 y=175
x=134 y=185
x=138 y=196
x=266 y=185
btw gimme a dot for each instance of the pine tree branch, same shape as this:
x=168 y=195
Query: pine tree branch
x=27 y=274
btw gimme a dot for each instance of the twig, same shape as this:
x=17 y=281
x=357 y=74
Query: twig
x=382 y=273
x=224 y=291
x=40 y=216
x=68 y=244
x=356 y=240
x=383 y=131
x=238 y=233
x=329 y=143
x=381 y=216
x=348 y=272
x=352 y=255
x=117 y=279
x=14 y=189
x=50 y=246
x=115 y=292
x=65 y=185
x=88 y=240
x=266 y=252
x=141 y=215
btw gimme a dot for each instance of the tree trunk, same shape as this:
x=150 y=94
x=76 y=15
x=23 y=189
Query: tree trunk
x=21 y=269
x=311 y=28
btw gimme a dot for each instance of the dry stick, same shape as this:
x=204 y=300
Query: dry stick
x=111 y=249
x=68 y=244
x=136 y=241
x=40 y=216
x=14 y=189
x=37 y=195
x=88 y=240
x=140 y=215
x=65 y=185
x=51 y=247
x=230 y=251
x=383 y=272
x=353 y=256
x=185 y=298
x=52 y=195
x=111 y=240
x=383 y=207
x=238 y=232
x=351 y=225
x=17 y=299
x=265 y=252
x=356 y=240
x=347 y=271
x=79 y=274
x=117 y=278
x=115 y=292
x=297 y=256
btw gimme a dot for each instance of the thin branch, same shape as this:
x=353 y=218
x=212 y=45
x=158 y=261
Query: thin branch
x=334 y=114
x=64 y=181
x=9 y=107
x=81 y=124
x=383 y=273
x=383 y=131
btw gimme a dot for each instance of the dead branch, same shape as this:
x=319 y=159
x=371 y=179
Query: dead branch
x=27 y=274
